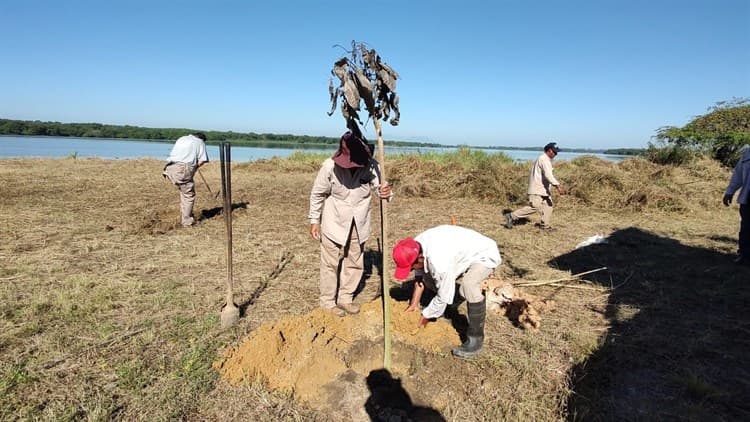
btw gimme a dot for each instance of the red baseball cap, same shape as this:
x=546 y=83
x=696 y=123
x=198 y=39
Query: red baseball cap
x=405 y=253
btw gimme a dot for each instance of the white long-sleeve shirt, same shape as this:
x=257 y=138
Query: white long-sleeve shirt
x=541 y=176
x=190 y=150
x=448 y=252
x=741 y=179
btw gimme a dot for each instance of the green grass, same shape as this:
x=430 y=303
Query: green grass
x=464 y=157
x=307 y=158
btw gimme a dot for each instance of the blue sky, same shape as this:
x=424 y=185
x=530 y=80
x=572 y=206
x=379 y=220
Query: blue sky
x=596 y=74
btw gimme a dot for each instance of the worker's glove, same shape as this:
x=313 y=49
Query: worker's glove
x=727 y=199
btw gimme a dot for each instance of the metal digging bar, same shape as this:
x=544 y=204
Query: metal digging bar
x=230 y=313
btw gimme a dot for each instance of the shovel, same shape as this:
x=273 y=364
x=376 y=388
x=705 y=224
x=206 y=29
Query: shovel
x=216 y=195
x=230 y=313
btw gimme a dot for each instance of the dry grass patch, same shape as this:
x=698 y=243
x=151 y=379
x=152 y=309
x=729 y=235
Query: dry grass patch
x=108 y=310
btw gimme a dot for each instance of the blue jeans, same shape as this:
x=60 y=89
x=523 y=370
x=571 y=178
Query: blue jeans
x=745 y=230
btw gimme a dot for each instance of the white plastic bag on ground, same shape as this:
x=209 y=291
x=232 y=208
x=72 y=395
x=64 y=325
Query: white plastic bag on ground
x=597 y=238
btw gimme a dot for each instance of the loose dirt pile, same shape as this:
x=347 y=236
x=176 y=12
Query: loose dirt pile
x=302 y=354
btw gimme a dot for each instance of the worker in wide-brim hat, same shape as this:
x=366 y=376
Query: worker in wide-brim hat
x=340 y=219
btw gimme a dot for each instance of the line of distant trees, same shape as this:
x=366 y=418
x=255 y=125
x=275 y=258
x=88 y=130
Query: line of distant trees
x=625 y=151
x=98 y=130
x=263 y=140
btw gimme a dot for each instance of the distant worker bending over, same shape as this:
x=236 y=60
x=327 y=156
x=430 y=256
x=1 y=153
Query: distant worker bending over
x=740 y=180
x=188 y=153
x=442 y=257
x=540 y=198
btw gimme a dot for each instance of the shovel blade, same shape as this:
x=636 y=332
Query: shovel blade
x=230 y=314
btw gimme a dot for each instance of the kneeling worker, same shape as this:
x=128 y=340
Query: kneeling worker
x=442 y=257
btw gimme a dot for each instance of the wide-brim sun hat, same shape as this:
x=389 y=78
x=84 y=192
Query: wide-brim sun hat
x=353 y=152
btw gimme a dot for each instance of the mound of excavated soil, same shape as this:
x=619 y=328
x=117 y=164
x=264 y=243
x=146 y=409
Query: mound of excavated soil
x=303 y=354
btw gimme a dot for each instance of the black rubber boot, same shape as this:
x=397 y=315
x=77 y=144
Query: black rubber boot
x=508 y=220
x=475 y=333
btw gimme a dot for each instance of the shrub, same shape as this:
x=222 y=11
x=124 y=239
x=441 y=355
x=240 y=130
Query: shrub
x=674 y=155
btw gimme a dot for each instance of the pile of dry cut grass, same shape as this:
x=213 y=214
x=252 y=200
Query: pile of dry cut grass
x=638 y=184
x=635 y=183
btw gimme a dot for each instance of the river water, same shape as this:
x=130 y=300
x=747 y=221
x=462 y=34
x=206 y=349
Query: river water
x=54 y=146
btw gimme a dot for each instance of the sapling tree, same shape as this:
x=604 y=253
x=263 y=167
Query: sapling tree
x=363 y=77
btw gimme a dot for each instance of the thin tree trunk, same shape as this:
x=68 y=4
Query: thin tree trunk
x=385 y=255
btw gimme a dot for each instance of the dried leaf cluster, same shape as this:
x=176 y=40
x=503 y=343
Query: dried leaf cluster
x=363 y=76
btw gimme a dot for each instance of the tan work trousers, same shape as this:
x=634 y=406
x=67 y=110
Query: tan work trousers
x=181 y=175
x=469 y=284
x=538 y=204
x=341 y=269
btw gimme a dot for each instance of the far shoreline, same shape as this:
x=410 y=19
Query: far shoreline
x=325 y=146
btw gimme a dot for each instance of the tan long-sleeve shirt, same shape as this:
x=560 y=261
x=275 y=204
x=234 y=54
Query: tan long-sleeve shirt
x=541 y=176
x=339 y=196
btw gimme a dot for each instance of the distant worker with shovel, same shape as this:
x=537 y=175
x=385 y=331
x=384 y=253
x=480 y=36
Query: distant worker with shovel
x=340 y=219
x=188 y=154
x=540 y=198
x=441 y=258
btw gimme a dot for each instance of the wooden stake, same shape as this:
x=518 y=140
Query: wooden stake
x=386 y=268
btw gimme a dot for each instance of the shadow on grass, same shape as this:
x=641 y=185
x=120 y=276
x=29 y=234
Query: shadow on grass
x=372 y=273
x=285 y=259
x=389 y=400
x=207 y=214
x=678 y=335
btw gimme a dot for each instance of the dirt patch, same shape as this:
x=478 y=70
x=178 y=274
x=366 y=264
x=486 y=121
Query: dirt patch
x=154 y=224
x=302 y=354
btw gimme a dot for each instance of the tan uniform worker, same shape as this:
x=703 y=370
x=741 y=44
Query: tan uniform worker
x=188 y=153
x=540 y=199
x=340 y=219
